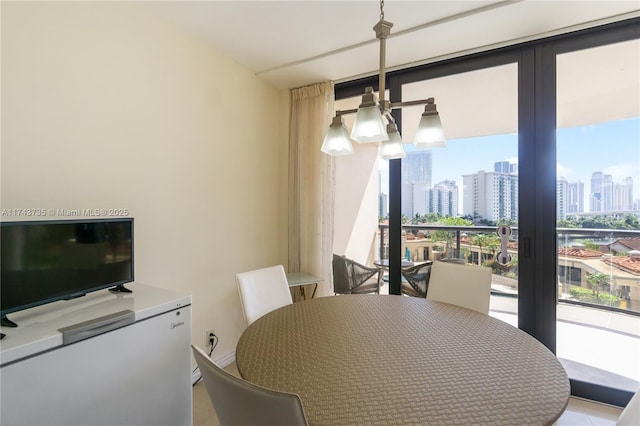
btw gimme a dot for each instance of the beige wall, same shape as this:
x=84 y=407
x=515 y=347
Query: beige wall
x=105 y=106
x=356 y=197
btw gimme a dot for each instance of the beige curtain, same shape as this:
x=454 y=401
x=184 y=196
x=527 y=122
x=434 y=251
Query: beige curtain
x=311 y=184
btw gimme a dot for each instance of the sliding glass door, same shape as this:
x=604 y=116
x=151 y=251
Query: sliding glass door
x=574 y=153
x=455 y=197
x=598 y=214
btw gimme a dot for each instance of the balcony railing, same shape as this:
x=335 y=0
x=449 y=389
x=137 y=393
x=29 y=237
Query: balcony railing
x=591 y=270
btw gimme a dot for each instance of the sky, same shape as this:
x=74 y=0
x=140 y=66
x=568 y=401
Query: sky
x=612 y=148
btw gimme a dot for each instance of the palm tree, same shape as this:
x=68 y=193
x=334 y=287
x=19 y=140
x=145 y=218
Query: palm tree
x=596 y=280
x=480 y=240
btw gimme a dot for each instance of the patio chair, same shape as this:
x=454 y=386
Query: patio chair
x=263 y=290
x=351 y=277
x=468 y=286
x=416 y=280
x=238 y=402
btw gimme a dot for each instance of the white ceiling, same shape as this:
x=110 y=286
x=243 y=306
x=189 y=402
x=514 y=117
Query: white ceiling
x=295 y=43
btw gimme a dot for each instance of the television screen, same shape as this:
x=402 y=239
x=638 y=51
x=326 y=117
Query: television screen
x=45 y=261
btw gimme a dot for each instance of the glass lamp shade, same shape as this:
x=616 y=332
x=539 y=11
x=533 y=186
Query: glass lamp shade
x=392 y=148
x=336 y=141
x=429 y=133
x=369 y=125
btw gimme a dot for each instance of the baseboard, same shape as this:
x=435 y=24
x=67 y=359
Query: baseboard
x=222 y=361
x=226 y=359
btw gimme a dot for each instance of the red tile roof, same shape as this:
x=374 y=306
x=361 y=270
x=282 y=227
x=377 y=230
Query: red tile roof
x=583 y=253
x=626 y=263
x=633 y=243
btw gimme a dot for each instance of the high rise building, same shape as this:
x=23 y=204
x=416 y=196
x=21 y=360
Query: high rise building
x=443 y=199
x=607 y=196
x=575 y=197
x=383 y=204
x=490 y=195
x=623 y=195
x=505 y=167
x=562 y=196
x=416 y=181
x=416 y=168
x=601 y=192
x=383 y=199
x=595 y=195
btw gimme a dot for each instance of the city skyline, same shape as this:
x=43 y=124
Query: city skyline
x=611 y=148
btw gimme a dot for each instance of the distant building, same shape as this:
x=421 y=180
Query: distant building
x=601 y=196
x=417 y=168
x=607 y=196
x=623 y=195
x=416 y=181
x=505 y=167
x=490 y=195
x=575 y=197
x=562 y=196
x=443 y=199
x=383 y=205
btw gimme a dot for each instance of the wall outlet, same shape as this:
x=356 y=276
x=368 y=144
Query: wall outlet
x=208 y=338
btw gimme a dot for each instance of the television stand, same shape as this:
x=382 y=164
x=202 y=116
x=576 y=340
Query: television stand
x=105 y=378
x=120 y=289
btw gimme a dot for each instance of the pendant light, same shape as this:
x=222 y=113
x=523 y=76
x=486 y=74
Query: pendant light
x=370 y=126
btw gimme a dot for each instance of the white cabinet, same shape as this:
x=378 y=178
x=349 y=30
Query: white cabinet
x=138 y=374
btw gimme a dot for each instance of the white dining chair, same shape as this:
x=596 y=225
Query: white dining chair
x=238 y=402
x=468 y=286
x=263 y=290
x=630 y=416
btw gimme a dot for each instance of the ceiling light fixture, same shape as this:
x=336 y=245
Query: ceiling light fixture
x=369 y=125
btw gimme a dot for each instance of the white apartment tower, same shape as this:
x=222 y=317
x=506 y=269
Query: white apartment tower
x=623 y=195
x=490 y=195
x=443 y=199
x=562 y=196
x=575 y=197
x=607 y=196
x=601 y=195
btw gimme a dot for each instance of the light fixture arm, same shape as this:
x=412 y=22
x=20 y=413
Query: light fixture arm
x=392 y=105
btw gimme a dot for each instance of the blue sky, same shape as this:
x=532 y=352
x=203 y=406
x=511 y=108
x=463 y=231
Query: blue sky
x=612 y=148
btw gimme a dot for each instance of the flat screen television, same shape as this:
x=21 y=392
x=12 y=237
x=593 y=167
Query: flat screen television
x=46 y=261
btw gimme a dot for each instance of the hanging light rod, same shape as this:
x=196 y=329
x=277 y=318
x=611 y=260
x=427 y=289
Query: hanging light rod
x=369 y=125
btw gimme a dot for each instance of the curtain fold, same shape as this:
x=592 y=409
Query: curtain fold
x=311 y=184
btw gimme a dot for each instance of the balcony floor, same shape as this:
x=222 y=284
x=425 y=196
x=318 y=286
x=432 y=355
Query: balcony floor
x=593 y=344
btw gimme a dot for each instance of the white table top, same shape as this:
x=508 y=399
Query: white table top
x=377 y=359
x=302 y=278
x=38 y=327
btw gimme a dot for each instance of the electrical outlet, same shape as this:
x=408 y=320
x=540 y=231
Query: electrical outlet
x=208 y=338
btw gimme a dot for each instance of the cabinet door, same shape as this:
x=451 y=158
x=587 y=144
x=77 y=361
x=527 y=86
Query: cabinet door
x=136 y=375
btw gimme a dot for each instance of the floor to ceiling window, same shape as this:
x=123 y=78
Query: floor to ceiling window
x=550 y=282
x=598 y=213
x=469 y=186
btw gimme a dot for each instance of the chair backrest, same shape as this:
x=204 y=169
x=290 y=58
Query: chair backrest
x=262 y=291
x=351 y=277
x=342 y=283
x=417 y=277
x=630 y=416
x=238 y=402
x=463 y=285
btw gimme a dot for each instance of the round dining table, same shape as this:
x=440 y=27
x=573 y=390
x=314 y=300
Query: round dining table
x=387 y=359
